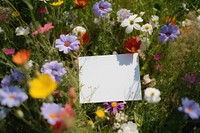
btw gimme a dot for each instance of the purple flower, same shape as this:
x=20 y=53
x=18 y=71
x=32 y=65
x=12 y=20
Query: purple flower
x=123 y=14
x=113 y=107
x=168 y=32
x=12 y=96
x=54 y=69
x=191 y=78
x=101 y=8
x=16 y=75
x=191 y=108
x=50 y=112
x=67 y=43
x=5 y=82
x=3 y=112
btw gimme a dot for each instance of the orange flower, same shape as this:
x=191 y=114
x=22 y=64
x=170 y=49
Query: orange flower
x=170 y=20
x=81 y=3
x=21 y=57
x=84 y=39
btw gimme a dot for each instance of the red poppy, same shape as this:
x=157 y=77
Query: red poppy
x=132 y=44
x=21 y=57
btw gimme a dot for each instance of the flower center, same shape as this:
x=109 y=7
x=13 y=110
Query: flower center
x=101 y=8
x=132 y=22
x=147 y=27
x=167 y=34
x=133 y=49
x=186 y=25
x=114 y=104
x=152 y=94
x=189 y=109
x=154 y=21
x=53 y=115
x=11 y=97
x=67 y=44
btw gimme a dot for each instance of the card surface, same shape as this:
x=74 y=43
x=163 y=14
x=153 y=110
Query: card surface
x=109 y=78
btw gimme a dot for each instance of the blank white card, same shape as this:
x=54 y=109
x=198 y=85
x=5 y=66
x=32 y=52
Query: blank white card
x=109 y=78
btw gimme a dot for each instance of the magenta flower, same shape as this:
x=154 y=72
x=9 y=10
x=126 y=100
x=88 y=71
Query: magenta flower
x=9 y=51
x=42 y=10
x=168 y=32
x=54 y=69
x=191 y=108
x=12 y=96
x=50 y=111
x=114 y=107
x=101 y=8
x=66 y=43
x=157 y=57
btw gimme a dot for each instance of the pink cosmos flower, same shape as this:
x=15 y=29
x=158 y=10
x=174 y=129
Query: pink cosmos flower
x=44 y=29
x=9 y=51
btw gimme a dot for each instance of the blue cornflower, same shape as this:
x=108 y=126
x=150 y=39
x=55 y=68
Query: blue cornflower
x=168 y=32
x=101 y=8
x=12 y=96
x=191 y=108
x=54 y=69
x=16 y=75
x=6 y=81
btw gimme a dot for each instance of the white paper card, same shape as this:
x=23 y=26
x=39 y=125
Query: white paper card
x=109 y=78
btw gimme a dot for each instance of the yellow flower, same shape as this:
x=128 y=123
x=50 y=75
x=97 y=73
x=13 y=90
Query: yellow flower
x=58 y=3
x=15 y=14
x=42 y=86
x=100 y=113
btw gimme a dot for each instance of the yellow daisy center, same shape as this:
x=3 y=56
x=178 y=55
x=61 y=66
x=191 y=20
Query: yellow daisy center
x=53 y=115
x=114 y=104
x=147 y=27
x=132 y=22
x=152 y=94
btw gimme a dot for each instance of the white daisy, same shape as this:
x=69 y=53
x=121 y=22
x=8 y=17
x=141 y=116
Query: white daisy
x=147 y=28
x=186 y=23
x=152 y=95
x=154 y=21
x=132 y=22
x=20 y=31
x=78 y=30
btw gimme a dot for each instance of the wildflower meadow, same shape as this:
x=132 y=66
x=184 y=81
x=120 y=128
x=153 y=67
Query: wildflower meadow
x=44 y=41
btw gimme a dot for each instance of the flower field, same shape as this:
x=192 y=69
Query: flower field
x=42 y=40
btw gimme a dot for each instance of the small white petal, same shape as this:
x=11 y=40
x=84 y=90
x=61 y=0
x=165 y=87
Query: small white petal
x=129 y=29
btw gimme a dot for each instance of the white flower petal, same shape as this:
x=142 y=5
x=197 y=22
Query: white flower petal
x=125 y=23
x=138 y=19
x=132 y=17
x=129 y=29
x=137 y=26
